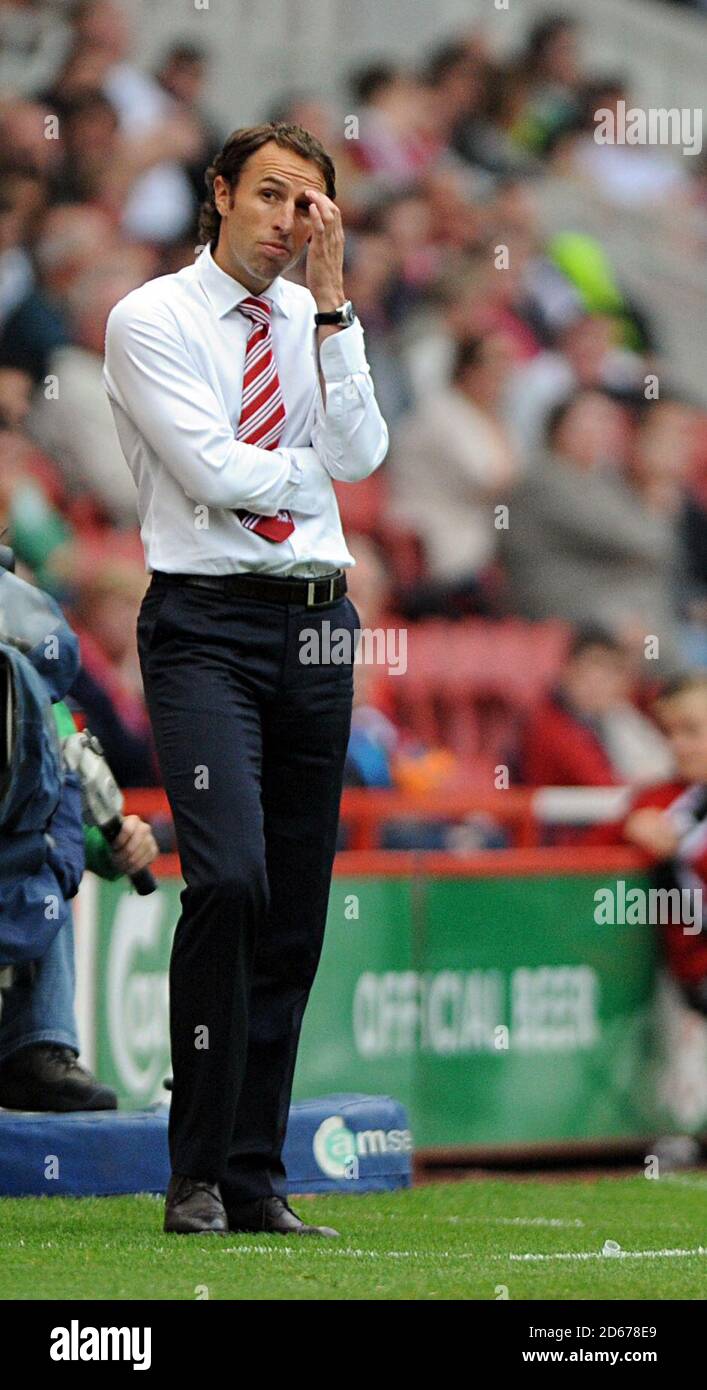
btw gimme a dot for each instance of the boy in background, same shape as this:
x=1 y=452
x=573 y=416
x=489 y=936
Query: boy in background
x=669 y=822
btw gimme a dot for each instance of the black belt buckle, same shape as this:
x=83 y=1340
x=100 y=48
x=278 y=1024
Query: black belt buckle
x=203 y=581
x=310 y=601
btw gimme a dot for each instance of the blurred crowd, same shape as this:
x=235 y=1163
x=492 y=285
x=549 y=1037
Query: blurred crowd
x=546 y=469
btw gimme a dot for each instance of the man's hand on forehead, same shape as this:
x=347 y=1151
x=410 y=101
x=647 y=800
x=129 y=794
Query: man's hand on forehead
x=325 y=257
x=303 y=183
x=323 y=204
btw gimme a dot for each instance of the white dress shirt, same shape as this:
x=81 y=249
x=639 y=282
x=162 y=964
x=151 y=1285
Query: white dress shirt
x=175 y=352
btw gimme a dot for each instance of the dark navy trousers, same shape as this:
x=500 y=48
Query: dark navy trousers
x=251 y=743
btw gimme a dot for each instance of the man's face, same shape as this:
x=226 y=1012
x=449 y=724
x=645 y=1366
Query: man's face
x=593 y=433
x=15 y=396
x=597 y=681
x=184 y=78
x=484 y=382
x=265 y=222
x=665 y=446
x=684 y=719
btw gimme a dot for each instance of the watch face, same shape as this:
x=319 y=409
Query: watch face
x=347 y=313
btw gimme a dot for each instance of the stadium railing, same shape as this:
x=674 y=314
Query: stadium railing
x=525 y=812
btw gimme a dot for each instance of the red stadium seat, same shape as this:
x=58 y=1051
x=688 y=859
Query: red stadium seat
x=467 y=683
x=362 y=506
x=366 y=509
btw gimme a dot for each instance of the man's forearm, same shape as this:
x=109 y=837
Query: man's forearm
x=324 y=331
x=349 y=433
x=309 y=486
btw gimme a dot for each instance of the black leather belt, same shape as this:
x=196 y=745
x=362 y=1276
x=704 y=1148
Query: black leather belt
x=313 y=593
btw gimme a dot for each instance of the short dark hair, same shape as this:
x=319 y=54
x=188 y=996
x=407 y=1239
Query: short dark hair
x=648 y=407
x=15 y=170
x=558 y=413
x=182 y=51
x=469 y=352
x=444 y=60
x=244 y=142
x=542 y=33
x=556 y=416
x=89 y=103
x=589 y=637
x=369 y=81
x=683 y=683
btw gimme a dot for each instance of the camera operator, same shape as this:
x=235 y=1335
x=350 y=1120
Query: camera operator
x=39 y=1043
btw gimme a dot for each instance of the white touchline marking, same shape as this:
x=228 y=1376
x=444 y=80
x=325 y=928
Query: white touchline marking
x=325 y=1252
x=617 y=1255
x=347 y=1253
x=513 y=1221
x=530 y=1221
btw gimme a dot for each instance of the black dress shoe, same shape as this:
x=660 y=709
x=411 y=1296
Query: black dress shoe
x=194 y=1208
x=272 y=1216
x=47 y=1076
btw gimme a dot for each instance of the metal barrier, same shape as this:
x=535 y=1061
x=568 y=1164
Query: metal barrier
x=524 y=811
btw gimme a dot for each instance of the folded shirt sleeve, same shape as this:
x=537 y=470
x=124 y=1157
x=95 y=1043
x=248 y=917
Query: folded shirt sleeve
x=349 y=434
x=150 y=375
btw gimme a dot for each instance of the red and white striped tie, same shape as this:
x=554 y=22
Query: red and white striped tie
x=263 y=412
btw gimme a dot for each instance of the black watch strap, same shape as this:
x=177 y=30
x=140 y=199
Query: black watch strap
x=344 y=315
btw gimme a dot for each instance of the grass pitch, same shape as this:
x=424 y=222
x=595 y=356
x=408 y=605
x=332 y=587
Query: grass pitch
x=461 y=1240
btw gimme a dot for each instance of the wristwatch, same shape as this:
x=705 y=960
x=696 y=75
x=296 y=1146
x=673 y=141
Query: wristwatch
x=344 y=316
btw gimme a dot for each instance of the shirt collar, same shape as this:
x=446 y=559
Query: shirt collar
x=224 y=293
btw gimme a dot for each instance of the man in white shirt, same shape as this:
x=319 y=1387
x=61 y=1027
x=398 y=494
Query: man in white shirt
x=236 y=409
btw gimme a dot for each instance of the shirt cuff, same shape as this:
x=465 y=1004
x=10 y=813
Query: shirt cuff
x=343 y=353
x=310 y=484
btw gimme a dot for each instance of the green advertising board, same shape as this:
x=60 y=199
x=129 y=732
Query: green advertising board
x=132 y=946
x=502 y=1015
x=496 y=1008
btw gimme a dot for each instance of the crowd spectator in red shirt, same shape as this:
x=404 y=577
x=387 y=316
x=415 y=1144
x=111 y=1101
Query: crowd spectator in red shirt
x=587 y=732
